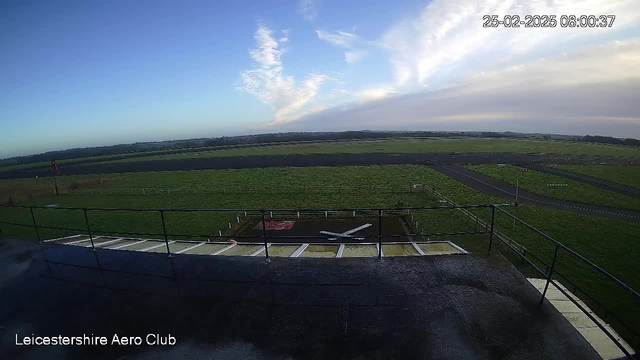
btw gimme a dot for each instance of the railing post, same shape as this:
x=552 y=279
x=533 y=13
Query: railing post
x=379 y=234
x=493 y=216
x=264 y=236
x=86 y=220
x=553 y=264
x=164 y=231
x=35 y=226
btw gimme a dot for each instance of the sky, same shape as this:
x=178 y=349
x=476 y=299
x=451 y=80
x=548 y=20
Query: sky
x=93 y=73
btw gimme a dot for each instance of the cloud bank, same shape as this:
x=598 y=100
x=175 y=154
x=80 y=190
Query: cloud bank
x=590 y=91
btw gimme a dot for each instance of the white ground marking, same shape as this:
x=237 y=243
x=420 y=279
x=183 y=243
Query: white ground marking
x=299 y=251
x=224 y=249
x=346 y=234
x=155 y=246
x=127 y=245
x=415 y=246
x=64 y=238
x=259 y=250
x=189 y=248
x=340 y=251
x=79 y=241
x=106 y=242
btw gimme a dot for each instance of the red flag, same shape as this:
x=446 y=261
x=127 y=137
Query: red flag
x=54 y=167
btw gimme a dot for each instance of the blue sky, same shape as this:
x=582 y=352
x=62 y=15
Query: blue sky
x=90 y=73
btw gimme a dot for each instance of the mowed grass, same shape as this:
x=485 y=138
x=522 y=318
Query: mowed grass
x=445 y=145
x=537 y=182
x=608 y=243
x=628 y=175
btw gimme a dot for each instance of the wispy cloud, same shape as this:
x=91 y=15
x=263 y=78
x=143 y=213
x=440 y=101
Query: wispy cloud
x=352 y=57
x=588 y=91
x=267 y=82
x=447 y=33
x=339 y=38
x=307 y=9
x=345 y=40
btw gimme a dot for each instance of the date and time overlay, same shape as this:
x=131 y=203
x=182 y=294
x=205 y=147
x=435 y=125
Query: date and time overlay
x=548 y=21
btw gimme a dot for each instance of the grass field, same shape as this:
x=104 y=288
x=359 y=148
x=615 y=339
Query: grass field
x=444 y=145
x=536 y=182
x=415 y=146
x=609 y=243
x=628 y=175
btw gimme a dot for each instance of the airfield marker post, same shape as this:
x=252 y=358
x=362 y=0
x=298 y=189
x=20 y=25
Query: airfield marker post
x=493 y=216
x=264 y=236
x=33 y=217
x=164 y=231
x=86 y=220
x=553 y=264
x=379 y=234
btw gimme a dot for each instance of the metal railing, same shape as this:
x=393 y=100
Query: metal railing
x=550 y=271
x=266 y=238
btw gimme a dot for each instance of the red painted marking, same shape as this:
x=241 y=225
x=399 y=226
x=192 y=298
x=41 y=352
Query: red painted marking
x=275 y=225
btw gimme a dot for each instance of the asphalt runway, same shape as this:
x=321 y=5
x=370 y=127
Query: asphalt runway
x=365 y=159
x=491 y=186
x=591 y=180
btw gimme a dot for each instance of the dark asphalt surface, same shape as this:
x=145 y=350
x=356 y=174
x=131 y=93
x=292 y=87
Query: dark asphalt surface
x=431 y=307
x=591 y=180
x=497 y=188
x=365 y=159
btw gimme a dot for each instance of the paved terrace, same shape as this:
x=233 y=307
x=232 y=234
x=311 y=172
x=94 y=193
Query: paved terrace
x=428 y=307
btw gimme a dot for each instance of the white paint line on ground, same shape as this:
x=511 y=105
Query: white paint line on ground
x=346 y=234
x=79 y=241
x=340 y=251
x=127 y=245
x=259 y=250
x=189 y=248
x=224 y=249
x=106 y=242
x=457 y=247
x=155 y=246
x=417 y=248
x=357 y=229
x=64 y=238
x=342 y=235
x=299 y=250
